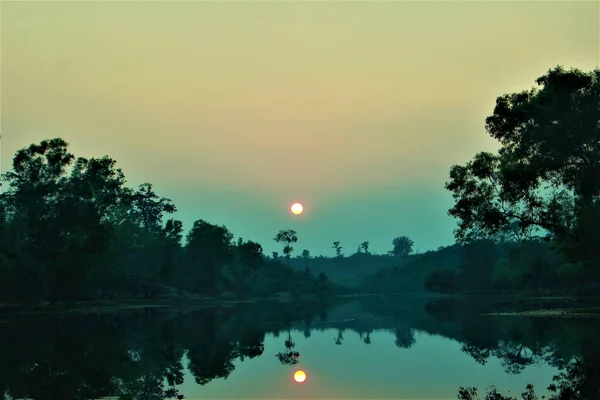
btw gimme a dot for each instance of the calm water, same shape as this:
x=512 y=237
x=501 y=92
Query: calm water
x=371 y=348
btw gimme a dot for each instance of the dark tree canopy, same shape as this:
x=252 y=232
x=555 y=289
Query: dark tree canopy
x=545 y=179
x=287 y=237
x=70 y=229
x=364 y=247
x=403 y=246
x=338 y=249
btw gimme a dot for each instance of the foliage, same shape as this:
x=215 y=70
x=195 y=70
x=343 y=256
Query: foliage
x=338 y=249
x=403 y=246
x=364 y=247
x=71 y=230
x=545 y=178
x=570 y=384
x=287 y=237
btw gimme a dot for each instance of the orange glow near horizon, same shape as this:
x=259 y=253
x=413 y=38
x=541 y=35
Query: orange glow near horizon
x=297 y=208
x=300 y=376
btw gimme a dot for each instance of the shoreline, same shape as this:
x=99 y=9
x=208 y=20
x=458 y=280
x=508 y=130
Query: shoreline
x=230 y=300
x=587 y=312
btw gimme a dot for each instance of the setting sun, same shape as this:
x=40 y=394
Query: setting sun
x=297 y=208
x=300 y=376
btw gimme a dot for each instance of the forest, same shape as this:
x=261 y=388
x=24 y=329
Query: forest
x=528 y=221
x=528 y=216
x=531 y=212
x=72 y=230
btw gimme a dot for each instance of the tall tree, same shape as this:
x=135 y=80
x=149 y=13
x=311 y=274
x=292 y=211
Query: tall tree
x=364 y=246
x=287 y=237
x=403 y=246
x=150 y=208
x=34 y=190
x=338 y=249
x=545 y=178
x=172 y=234
x=248 y=259
x=208 y=249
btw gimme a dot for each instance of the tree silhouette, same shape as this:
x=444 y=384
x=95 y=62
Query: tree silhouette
x=70 y=230
x=545 y=177
x=403 y=246
x=287 y=237
x=364 y=246
x=208 y=249
x=149 y=207
x=338 y=249
x=248 y=259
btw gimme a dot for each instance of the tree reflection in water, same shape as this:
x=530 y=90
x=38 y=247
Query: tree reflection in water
x=289 y=356
x=143 y=355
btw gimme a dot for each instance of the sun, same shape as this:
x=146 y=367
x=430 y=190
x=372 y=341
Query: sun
x=297 y=208
x=300 y=376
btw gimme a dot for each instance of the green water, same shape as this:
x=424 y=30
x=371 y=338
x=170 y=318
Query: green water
x=368 y=348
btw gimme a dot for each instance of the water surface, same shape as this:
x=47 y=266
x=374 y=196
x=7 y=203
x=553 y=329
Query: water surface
x=369 y=348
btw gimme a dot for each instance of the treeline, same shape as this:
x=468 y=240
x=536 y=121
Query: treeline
x=538 y=196
x=408 y=275
x=486 y=267
x=528 y=216
x=532 y=266
x=353 y=269
x=70 y=229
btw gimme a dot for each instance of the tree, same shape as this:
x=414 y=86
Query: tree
x=287 y=237
x=60 y=222
x=31 y=203
x=249 y=258
x=363 y=247
x=172 y=234
x=545 y=179
x=403 y=246
x=306 y=257
x=149 y=207
x=338 y=249
x=208 y=249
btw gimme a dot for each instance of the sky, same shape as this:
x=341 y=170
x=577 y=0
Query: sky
x=235 y=110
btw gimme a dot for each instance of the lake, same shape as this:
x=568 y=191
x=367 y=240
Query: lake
x=394 y=347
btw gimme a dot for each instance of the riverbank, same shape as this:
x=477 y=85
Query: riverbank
x=110 y=306
x=546 y=306
x=589 y=312
x=187 y=301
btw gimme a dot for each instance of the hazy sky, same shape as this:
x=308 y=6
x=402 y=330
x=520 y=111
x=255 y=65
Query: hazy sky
x=236 y=109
